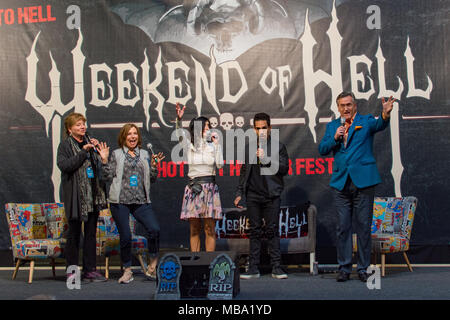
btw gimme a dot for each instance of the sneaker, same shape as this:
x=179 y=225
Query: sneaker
x=363 y=276
x=343 y=276
x=94 y=276
x=278 y=273
x=151 y=276
x=252 y=273
x=127 y=276
x=150 y=273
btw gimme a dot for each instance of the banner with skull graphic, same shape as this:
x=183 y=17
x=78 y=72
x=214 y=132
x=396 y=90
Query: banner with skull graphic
x=131 y=61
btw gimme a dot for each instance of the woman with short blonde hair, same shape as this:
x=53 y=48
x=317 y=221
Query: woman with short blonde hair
x=83 y=193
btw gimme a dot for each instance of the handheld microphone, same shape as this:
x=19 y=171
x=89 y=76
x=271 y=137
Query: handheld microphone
x=257 y=147
x=88 y=138
x=149 y=146
x=341 y=138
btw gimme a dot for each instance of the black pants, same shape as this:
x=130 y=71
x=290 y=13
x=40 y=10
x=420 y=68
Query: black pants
x=146 y=216
x=352 y=200
x=89 y=242
x=259 y=208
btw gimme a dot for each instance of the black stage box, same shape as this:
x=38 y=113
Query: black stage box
x=194 y=279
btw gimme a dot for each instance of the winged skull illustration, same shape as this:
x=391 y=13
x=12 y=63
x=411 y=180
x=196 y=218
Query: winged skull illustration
x=221 y=270
x=231 y=27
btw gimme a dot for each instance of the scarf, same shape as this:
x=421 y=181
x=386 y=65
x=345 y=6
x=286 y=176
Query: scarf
x=92 y=195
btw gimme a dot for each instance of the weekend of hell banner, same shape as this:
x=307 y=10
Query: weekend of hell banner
x=131 y=61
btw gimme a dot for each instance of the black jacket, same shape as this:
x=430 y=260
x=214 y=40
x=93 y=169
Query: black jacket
x=275 y=183
x=68 y=163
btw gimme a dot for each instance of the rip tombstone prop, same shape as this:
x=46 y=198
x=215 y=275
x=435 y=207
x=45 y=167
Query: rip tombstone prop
x=169 y=272
x=221 y=278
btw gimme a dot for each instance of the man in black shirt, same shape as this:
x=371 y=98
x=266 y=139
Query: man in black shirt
x=261 y=181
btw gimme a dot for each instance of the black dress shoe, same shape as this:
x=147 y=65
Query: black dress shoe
x=363 y=276
x=343 y=276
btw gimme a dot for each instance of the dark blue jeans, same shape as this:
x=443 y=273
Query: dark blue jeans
x=143 y=214
x=352 y=200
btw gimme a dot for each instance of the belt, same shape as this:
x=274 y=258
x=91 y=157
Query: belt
x=205 y=179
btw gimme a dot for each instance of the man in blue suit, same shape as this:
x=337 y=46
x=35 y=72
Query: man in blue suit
x=354 y=177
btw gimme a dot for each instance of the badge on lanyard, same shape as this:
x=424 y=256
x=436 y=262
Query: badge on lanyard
x=90 y=172
x=134 y=181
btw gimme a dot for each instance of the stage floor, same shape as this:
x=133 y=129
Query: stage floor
x=423 y=284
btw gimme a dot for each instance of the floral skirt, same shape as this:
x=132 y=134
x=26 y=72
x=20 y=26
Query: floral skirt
x=204 y=205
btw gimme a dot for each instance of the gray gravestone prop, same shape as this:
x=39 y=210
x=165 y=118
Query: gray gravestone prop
x=221 y=278
x=169 y=272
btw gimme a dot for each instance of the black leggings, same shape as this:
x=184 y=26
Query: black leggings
x=72 y=249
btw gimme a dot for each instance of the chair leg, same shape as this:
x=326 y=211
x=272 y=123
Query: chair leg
x=19 y=261
x=107 y=267
x=141 y=261
x=52 y=261
x=407 y=261
x=312 y=259
x=383 y=264
x=30 y=279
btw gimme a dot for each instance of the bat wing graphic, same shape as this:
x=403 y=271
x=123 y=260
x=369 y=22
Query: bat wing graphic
x=230 y=26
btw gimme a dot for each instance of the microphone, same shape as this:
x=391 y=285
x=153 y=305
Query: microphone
x=88 y=138
x=341 y=138
x=149 y=146
x=257 y=147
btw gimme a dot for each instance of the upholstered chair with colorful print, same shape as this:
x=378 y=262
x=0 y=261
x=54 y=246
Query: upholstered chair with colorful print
x=37 y=231
x=391 y=226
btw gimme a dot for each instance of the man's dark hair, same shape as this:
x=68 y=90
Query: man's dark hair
x=345 y=94
x=262 y=116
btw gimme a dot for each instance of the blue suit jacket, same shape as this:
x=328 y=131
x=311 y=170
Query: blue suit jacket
x=356 y=159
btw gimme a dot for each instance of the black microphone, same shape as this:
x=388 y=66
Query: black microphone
x=257 y=147
x=88 y=138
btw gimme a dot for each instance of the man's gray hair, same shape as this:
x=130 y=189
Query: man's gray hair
x=345 y=94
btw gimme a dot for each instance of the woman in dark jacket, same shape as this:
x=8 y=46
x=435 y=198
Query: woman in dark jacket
x=82 y=193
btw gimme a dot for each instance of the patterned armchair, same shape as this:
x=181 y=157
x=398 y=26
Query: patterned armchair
x=36 y=233
x=108 y=240
x=391 y=226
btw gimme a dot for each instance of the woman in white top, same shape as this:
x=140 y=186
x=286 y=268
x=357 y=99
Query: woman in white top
x=201 y=200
